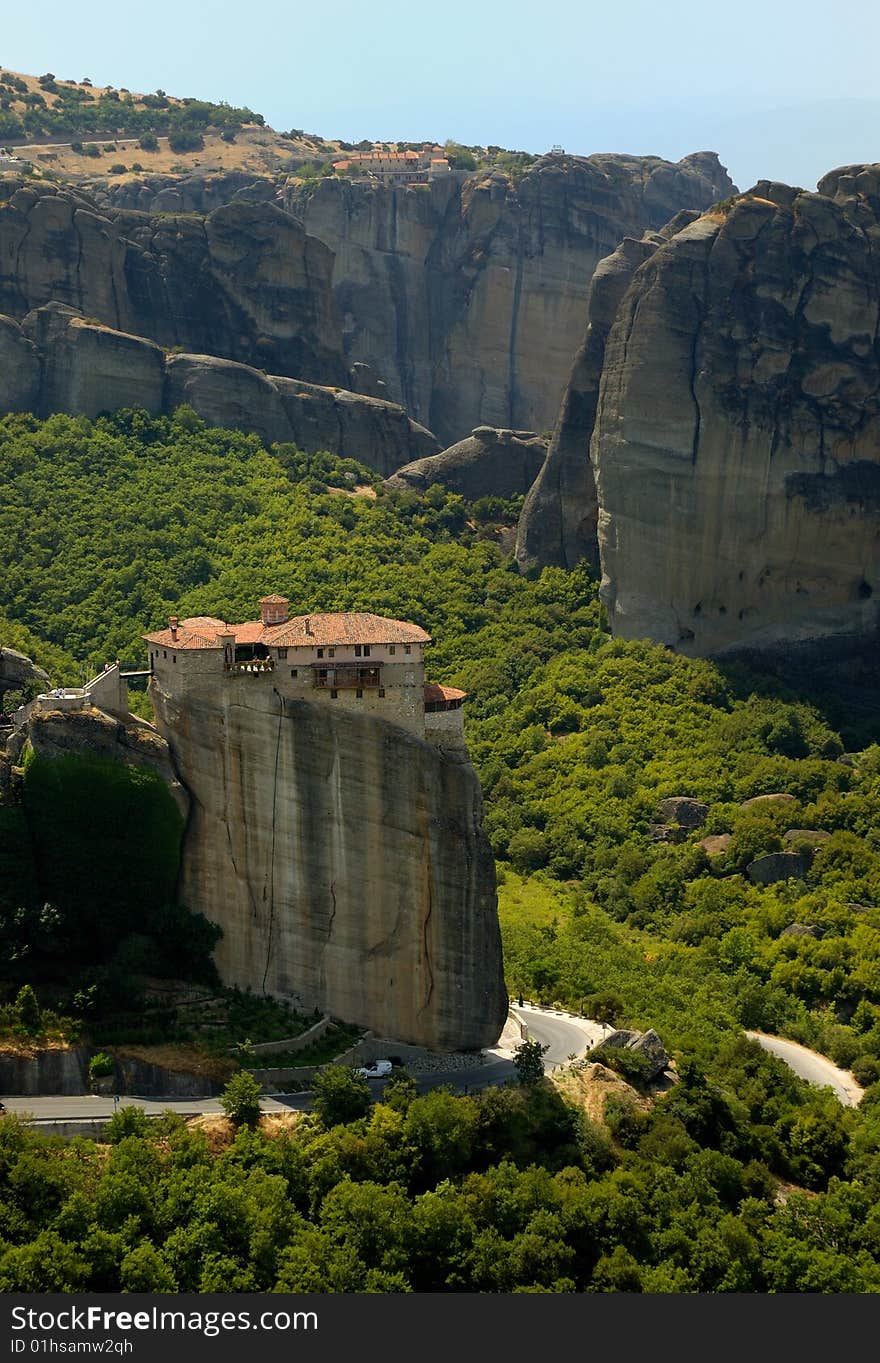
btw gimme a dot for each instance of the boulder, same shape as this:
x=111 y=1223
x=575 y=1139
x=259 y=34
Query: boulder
x=776 y=799
x=716 y=844
x=812 y=837
x=647 y=1044
x=489 y=462
x=779 y=866
x=801 y=930
x=16 y=670
x=684 y=810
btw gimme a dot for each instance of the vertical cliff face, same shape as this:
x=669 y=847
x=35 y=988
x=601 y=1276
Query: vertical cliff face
x=468 y=296
x=246 y=282
x=737 y=439
x=346 y=863
x=558 y=524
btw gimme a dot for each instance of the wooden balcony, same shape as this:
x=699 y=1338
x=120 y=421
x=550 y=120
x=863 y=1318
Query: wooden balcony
x=347 y=676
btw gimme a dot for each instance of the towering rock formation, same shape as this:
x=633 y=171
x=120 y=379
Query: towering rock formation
x=345 y=861
x=468 y=295
x=246 y=282
x=736 y=442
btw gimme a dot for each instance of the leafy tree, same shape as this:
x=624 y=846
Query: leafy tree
x=528 y=1057
x=340 y=1095
x=240 y=1099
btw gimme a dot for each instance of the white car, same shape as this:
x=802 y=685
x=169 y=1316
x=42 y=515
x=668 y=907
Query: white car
x=375 y=1069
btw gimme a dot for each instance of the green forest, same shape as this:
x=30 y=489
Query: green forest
x=107 y=528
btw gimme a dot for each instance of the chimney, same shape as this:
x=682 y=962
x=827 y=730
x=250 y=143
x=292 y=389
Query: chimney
x=173 y=623
x=308 y=624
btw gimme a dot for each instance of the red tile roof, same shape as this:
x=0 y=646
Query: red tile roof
x=350 y=627
x=434 y=693
x=344 y=628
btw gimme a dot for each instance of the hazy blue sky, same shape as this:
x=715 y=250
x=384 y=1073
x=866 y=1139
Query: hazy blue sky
x=780 y=88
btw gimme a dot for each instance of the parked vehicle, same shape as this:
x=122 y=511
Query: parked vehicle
x=375 y=1069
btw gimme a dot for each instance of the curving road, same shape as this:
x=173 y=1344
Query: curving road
x=562 y=1033
x=816 y=1069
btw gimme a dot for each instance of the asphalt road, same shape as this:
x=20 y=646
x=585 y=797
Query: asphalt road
x=562 y=1033
x=815 y=1068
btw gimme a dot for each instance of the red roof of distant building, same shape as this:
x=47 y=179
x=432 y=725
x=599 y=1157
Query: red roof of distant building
x=350 y=627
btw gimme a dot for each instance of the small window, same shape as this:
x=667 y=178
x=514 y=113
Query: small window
x=391 y=648
x=174 y=657
x=164 y=653
x=334 y=695
x=293 y=672
x=359 y=694
x=366 y=650
x=320 y=652
x=381 y=691
x=357 y=650
x=407 y=649
x=331 y=652
x=282 y=653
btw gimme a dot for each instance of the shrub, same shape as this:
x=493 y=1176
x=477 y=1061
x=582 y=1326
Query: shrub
x=228 y=134
x=100 y=1065
x=91 y=149
x=148 y=142
x=28 y=1011
x=630 y=1065
x=117 y=168
x=110 y=146
x=240 y=1099
x=182 y=139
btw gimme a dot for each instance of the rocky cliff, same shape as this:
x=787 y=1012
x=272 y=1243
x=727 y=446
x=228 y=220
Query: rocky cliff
x=246 y=282
x=17 y=670
x=728 y=391
x=346 y=863
x=737 y=442
x=468 y=295
x=57 y=360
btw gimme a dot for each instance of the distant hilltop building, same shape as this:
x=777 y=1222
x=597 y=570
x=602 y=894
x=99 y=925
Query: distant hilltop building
x=396 y=167
x=353 y=660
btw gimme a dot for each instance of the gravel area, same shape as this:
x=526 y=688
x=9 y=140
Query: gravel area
x=431 y=1063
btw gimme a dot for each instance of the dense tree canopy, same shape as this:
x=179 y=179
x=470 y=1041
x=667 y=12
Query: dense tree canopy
x=606 y=906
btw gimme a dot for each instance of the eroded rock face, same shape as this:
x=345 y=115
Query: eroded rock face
x=246 y=282
x=346 y=863
x=489 y=462
x=737 y=436
x=467 y=296
x=86 y=368
x=93 y=733
x=558 y=524
x=17 y=669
